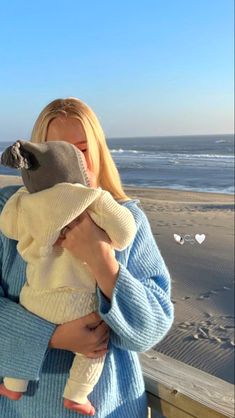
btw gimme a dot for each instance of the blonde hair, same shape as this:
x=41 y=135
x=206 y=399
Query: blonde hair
x=102 y=162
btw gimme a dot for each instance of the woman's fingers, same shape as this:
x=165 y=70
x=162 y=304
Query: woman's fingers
x=97 y=353
x=101 y=339
x=101 y=333
x=98 y=327
x=91 y=320
x=88 y=334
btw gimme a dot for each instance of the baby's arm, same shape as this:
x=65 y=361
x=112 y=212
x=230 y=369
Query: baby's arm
x=116 y=220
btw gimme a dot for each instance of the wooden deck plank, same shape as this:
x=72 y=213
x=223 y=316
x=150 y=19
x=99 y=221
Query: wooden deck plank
x=190 y=390
x=167 y=409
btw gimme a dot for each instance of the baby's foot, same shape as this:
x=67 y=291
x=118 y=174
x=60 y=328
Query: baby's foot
x=10 y=394
x=85 y=409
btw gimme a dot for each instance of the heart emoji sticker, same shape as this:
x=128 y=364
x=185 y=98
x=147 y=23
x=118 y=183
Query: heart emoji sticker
x=200 y=238
x=179 y=239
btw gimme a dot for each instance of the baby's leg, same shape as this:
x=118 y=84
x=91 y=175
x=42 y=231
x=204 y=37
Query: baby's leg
x=83 y=376
x=13 y=388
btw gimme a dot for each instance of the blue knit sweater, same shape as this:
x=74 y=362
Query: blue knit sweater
x=139 y=315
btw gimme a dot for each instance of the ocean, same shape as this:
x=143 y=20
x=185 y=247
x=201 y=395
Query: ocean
x=197 y=163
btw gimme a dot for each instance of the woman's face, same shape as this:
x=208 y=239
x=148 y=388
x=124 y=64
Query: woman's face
x=71 y=130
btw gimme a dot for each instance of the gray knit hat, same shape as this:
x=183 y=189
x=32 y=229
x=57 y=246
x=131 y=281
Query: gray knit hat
x=45 y=164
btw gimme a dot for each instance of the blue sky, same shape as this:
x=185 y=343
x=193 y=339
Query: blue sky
x=147 y=68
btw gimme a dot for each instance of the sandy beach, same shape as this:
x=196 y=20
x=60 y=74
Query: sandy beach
x=202 y=273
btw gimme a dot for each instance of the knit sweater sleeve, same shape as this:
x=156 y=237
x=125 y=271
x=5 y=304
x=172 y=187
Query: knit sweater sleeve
x=24 y=337
x=140 y=312
x=117 y=220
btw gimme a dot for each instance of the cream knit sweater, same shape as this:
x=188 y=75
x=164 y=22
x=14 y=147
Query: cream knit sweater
x=53 y=274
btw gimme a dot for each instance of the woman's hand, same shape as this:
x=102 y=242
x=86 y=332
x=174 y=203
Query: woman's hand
x=88 y=335
x=86 y=241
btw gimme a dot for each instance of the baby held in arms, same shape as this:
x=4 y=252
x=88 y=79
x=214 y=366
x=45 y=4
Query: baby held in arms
x=59 y=287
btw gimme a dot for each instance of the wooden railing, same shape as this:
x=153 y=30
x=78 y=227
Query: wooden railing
x=176 y=390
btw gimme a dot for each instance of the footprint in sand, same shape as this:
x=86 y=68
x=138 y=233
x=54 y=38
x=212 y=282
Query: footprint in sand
x=221 y=328
x=216 y=329
x=201 y=333
x=204 y=332
x=209 y=322
x=207 y=295
x=208 y=314
x=186 y=324
x=215 y=338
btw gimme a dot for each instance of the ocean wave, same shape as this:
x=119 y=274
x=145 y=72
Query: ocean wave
x=190 y=156
x=207 y=189
x=120 y=150
x=162 y=155
x=226 y=190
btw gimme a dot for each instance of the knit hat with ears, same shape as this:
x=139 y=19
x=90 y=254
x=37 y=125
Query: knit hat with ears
x=46 y=164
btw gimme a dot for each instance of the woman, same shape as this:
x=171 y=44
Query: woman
x=133 y=289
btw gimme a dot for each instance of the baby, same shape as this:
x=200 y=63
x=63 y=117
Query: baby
x=59 y=287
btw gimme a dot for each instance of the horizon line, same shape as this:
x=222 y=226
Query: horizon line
x=154 y=136
x=166 y=136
